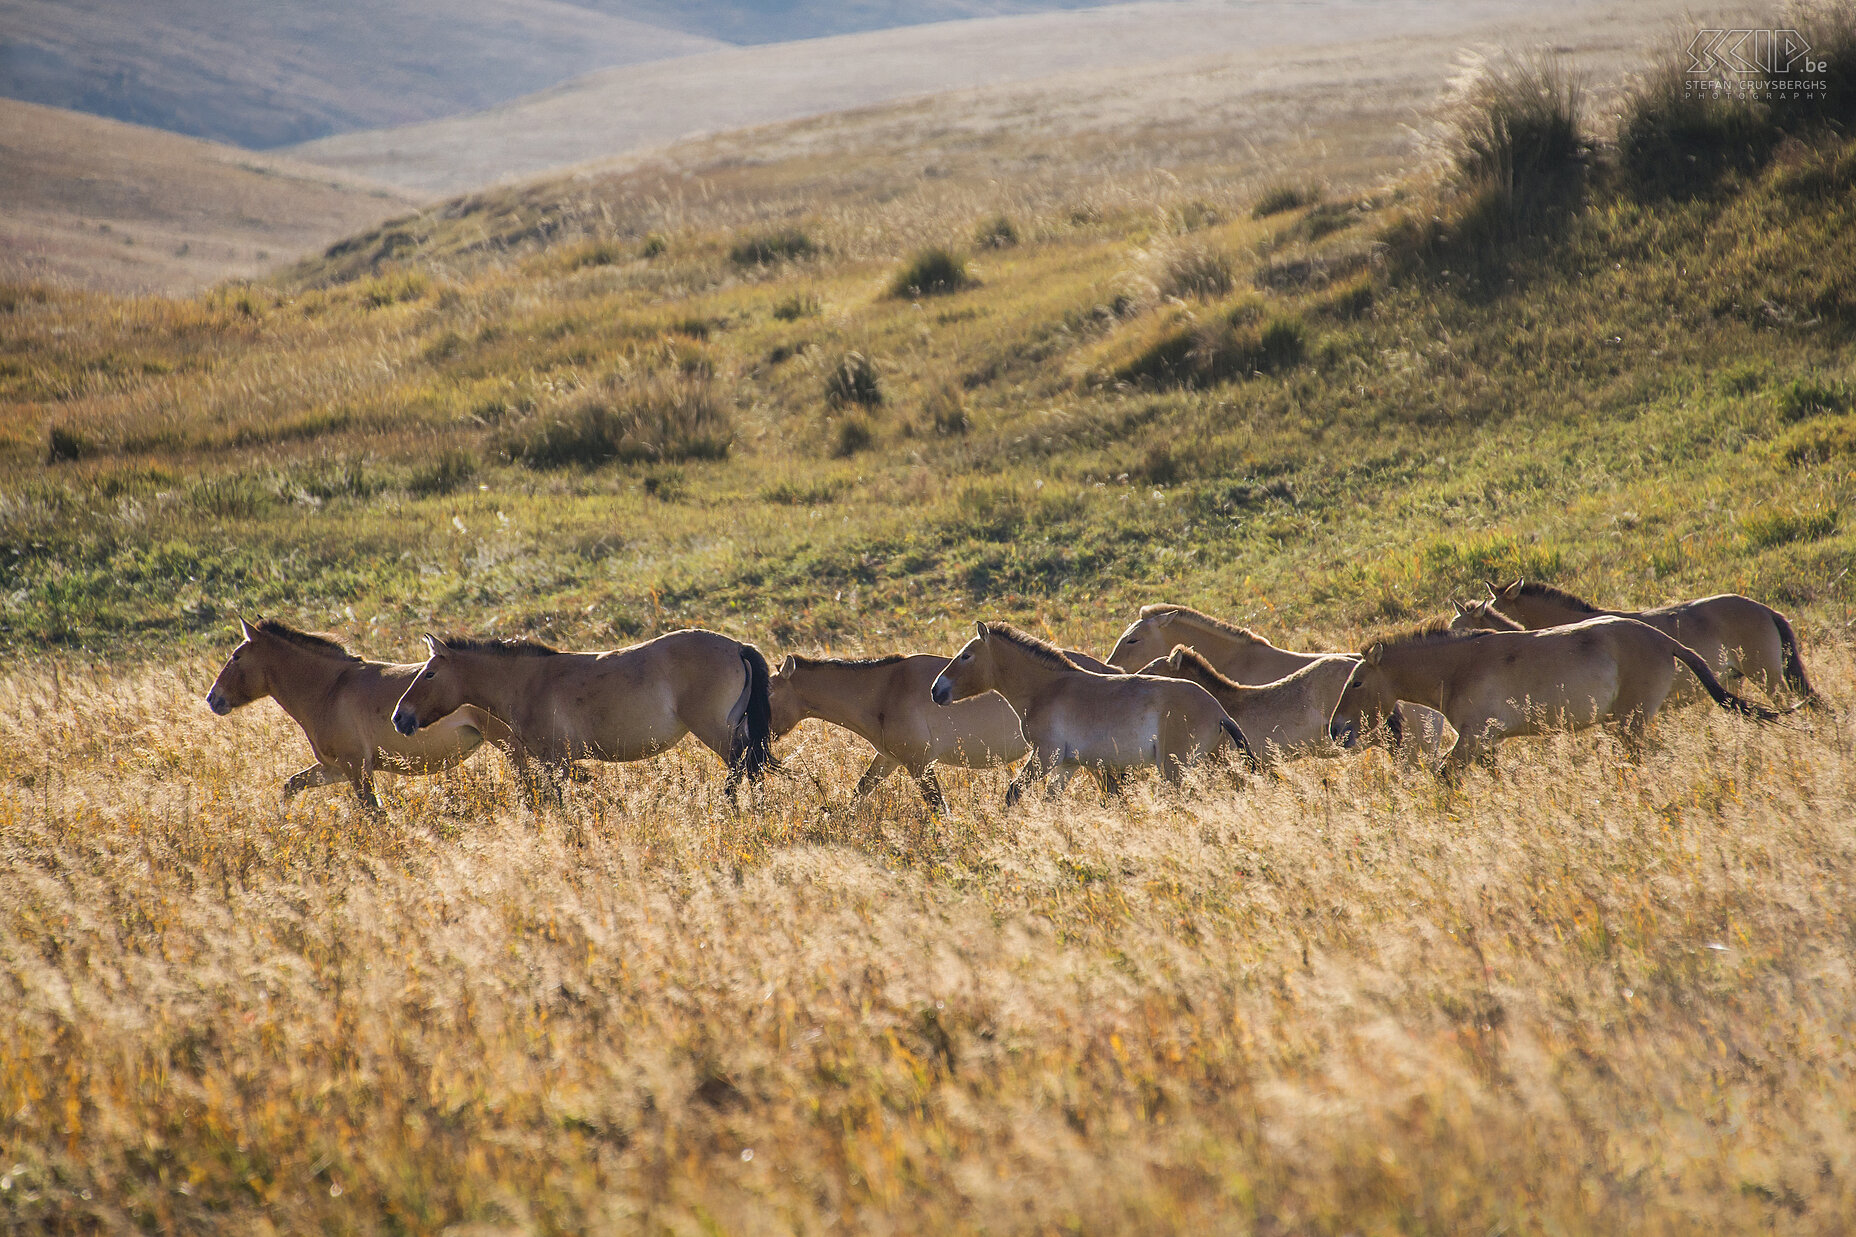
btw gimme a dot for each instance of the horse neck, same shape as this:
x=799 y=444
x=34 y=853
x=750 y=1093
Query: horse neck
x=1419 y=672
x=498 y=683
x=1545 y=611
x=299 y=680
x=1018 y=674
x=842 y=695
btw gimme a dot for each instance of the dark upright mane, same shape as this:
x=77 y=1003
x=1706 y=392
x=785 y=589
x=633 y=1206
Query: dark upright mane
x=1531 y=588
x=1436 y=631
x=851 y=662
x=1043 y=650
x=324 y=646
x=1215 y=624
x=504 y=648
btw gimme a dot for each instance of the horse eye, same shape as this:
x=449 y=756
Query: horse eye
x=428 y=674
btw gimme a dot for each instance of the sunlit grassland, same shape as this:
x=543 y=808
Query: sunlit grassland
x=1580 y=994
x=1609 y=411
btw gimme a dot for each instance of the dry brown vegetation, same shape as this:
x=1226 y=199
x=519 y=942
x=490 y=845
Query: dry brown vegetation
x=1582 y=992
x=1578 y=995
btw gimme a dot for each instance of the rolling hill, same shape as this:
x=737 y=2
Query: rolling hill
x=1123 y=73
x=102 y=204
x=268 y=75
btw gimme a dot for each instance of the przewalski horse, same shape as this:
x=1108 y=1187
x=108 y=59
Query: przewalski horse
x=1494 y=685
x=1238 y=653
x=885 y=701
x=1283 y=720
x=628 y=704
x=1735 y=635
x=1076 y=719
x=343 y=703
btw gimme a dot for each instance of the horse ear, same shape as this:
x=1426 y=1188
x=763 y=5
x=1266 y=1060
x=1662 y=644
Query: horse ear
x=246 y=629
x=1459 y=607
x=1511 y=591
x=1160 y=618
x=1490 y=590
x=788 y=664
x=433 y=644
x=1373 y=653
x=980 y=626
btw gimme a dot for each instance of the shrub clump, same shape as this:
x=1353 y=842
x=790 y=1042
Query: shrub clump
x=1222 y=350
x=660 y=417
x=1195 y=271
x=796 y=306
x=446 y=472
x=932 y=272
x=947 y=412
x=1782 y=526
x=1810 y=397
x=767 y=248
x=1687 y=126
x=1516 y=148
x=853 y=380
x=63 y=444
x=999 y=232
x=1278 y=199
x=854 y=433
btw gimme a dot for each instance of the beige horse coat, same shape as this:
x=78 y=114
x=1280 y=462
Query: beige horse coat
x=343 y=704
x=1075 y=719
x=886 y=702
x=1493 y=685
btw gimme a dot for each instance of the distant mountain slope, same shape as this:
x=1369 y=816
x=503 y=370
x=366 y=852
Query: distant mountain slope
x=264 y=75
x=103 y=204
x=776 y=21
x=1288 y=58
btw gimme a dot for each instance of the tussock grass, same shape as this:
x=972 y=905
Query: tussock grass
x=932 y=272
x=626 y=418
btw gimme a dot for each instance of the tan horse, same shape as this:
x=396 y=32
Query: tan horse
x=1283 y=720
x=629 y=704
x=885 y=701
x=1075 y=719
x=1238 y=653
x=342 y=704
x=1735 y=635
x=1493 y=685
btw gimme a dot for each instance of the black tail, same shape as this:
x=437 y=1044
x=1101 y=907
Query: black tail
x=751 y=752
x=1237 y=737
x=1791 y=662
x=1726 y=699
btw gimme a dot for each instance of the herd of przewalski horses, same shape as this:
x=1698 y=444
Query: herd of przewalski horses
x=1178 y=687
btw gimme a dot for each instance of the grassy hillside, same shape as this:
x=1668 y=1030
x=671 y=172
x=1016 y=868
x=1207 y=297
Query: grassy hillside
x=1655 y=403
x=1584 y=991
x=121 y=208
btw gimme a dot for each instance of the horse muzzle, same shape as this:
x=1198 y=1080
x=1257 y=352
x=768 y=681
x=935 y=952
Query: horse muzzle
x=942 y=691
x=217 y=703
x=405 y=721
x=1344 y=733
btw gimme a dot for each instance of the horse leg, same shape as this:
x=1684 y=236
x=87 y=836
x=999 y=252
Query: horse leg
x=1060 y=779
x=881 y=766
x=930 y=786
x=1027 y=776
x=316 y=775
x=364 y=791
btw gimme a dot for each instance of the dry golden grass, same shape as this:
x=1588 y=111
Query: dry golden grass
x=1574 y=996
